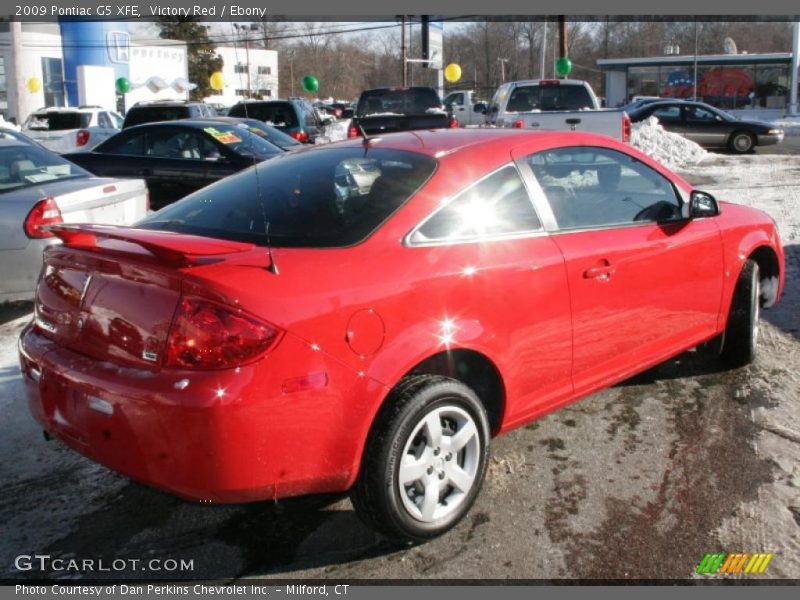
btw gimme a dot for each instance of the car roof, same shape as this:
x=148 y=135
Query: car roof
x=195 y=123
x=439 y=142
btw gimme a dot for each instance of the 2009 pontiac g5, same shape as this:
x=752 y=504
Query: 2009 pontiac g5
x=367 y=315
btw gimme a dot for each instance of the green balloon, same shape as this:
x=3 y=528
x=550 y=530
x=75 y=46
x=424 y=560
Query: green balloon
x=310 y=83
x=123 y=85
x=563 y=66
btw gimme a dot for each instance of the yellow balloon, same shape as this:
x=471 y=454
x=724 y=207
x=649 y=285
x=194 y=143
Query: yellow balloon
x=216 y=80
x=452 y=72
x=34 y=85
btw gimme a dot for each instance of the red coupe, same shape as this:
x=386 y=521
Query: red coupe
x=365 y=316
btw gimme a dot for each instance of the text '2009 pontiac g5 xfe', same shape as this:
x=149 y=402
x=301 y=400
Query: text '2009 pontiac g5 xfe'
x=366 y=316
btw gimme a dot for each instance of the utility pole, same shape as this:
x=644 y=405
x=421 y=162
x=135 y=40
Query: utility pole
x=694 y=87
x=562 y=37
x=403 y=51
x=544 y=51
x=795 y=66
x=20 y=100
x=502 y=62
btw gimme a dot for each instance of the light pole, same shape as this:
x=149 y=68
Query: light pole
x=502 y=62
x=244 y=28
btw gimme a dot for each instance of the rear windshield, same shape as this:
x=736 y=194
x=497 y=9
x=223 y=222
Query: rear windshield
x=549 y=97
x=23 y=166
x=277 y=114
x=150 y=114
x=57 y=121
x=325 y=198
x=412 y=101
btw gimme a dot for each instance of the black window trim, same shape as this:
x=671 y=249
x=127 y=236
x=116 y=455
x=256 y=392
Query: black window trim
x=543 y=204
x=409 y=242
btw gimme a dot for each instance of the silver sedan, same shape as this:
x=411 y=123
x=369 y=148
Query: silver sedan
x=39 y=188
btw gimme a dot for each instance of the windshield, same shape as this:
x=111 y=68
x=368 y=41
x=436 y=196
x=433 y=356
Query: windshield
x=241 y=140
x=527 y=98
x=331 y=197
x=272 y=135
x=58 y=121
x=24 y=166
x=411 y=101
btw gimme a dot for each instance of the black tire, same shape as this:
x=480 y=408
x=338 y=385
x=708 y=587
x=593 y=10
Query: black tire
x=741 y=142
x=378 y=496
x=741 y=333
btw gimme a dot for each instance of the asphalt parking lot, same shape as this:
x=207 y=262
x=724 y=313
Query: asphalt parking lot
x=638 y=481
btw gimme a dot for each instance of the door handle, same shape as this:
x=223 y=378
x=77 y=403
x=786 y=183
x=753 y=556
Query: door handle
x=602 y=273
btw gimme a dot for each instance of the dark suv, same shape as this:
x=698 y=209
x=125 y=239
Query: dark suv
x=166 y=110
x=294 y=116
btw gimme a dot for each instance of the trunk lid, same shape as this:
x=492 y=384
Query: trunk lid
x=111 y=292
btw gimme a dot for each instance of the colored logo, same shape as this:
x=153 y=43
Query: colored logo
x=729 y=564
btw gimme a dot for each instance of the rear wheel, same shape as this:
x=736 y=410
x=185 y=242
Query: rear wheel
x=425 y=459
x=741 y=142
x=741 y=333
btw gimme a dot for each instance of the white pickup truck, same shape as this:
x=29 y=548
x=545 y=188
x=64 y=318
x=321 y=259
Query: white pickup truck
x=556 y=104
x=466 y=107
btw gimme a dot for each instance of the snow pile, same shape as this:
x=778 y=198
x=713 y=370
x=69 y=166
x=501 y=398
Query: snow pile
x=338 y=131
x=670 y=149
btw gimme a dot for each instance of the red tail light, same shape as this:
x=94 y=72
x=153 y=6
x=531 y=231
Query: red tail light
x=300 y=136
x=205 y=335
x=45 y=212
x=82 y=137
x=352 y=132
x=626 y=127
x=518 y=124
x=453 y=123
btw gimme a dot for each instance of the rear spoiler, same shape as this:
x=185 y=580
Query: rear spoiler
x=176 y=249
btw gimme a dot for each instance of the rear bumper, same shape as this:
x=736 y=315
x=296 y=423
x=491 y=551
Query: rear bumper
x=226 y=436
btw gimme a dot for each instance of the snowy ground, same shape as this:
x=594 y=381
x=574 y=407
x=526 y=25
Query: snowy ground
x=637 y=481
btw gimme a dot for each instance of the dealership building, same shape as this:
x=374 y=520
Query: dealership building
x=758 y=82
x=74 y=63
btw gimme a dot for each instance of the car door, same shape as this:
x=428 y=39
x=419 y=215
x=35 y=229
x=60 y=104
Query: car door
x=458 y=105
x=669 y=116
x=703 y=126
x=645 y=282
x=490 y=240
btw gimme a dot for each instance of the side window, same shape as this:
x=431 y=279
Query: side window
x=130 y=144
x=697 y=114
x=668 y=113
x=457 y=99
x=596 y=187
x=497 y=205
x=104 y=121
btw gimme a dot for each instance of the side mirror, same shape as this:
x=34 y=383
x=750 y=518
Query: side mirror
x=480 y=107
x=702 y=204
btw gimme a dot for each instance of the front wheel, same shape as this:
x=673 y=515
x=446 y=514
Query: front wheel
x=741 y=142
x=425 y=459
x=741 y=333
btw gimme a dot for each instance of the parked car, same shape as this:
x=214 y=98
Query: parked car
x=709 y=126
x=294 y=116
x=151 y=111
x=39 y=188
x=177 y=157
x=303 y=335
x=385 y=110
x=7 y=133
x=556 y=104
x=72 y=129
x=466 y=107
